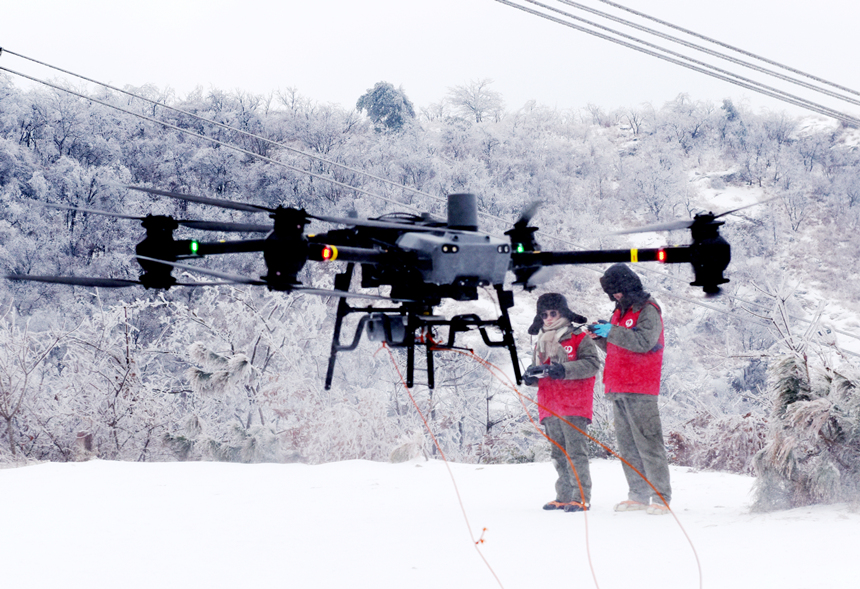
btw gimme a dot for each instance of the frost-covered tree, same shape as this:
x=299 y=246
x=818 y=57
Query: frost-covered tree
x=812 y=454
x=594 y=172
x=23 y=373
x=476 y=100
x=387 y=106
x=813 y=449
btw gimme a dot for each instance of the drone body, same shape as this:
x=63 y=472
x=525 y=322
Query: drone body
x=423 y=260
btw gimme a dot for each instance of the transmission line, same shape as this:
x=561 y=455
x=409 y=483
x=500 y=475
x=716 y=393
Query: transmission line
x=711 y=52
x=210 y=139
x=694 y=64
x=225 y=126
x=727 y=46
x=230 y=128
x=324 y=178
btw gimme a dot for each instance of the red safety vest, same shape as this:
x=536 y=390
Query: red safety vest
x=566 y=397
x=632 y=372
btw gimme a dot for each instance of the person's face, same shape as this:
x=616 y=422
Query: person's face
x=618 y=296
x=550 y=315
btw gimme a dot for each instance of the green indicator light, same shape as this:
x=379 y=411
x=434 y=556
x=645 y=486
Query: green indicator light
x=520 y=248
x=194 y=245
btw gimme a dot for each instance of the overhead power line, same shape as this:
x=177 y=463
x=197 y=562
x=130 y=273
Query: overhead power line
x=210 y=139
x=727 y=46
x=710 y=52
x=680 y=59
x=324 y=178
x=243 y=132
x=225 y=126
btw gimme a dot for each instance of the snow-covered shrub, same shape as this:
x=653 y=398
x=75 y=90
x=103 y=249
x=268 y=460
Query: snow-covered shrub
x=726 y=442
x=813 y=450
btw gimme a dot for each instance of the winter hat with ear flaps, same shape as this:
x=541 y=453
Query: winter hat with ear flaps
x=553 y=301
x=620 y=278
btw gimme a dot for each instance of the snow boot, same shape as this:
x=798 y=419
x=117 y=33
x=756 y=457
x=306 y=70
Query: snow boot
x=554 y=505
x=657 y=509
x=575 y=506
x=630 y=506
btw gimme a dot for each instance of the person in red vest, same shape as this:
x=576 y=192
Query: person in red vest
x=633 y=342
x=564 y=366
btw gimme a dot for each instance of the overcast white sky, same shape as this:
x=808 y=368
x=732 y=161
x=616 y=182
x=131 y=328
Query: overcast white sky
x=334 y=50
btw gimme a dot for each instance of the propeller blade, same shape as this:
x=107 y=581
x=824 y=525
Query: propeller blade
x=344 y=294
x=755 y=204
x=368 y=223
x=76 y=280
x=227 y=226
x=670 y=226
x=224 y=204
x=686 y=224
x=529 y=212
x=201 y=225
x=227 y=204
x=234 y=278
x=542 y=275
x=94 y=211
x=203 y=283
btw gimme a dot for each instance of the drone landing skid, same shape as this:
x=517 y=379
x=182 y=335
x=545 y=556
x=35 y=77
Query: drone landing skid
x=411 y=324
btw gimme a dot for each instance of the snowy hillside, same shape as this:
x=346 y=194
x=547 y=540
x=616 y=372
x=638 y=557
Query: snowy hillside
x=104 y=524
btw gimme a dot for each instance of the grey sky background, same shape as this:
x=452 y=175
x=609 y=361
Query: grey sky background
x=334 y=50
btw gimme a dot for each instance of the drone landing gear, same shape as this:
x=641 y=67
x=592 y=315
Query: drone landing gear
x=412 y=324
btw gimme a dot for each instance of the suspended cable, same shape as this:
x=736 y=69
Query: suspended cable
x=227 y=127
x=324 y=178
x=705 y=68
x=212 y=140
x=230 y=128
x=727 y=46
x=711 y=52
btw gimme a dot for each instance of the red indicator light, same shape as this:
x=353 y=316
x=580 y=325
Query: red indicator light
x=661 y=255
x=328 y=253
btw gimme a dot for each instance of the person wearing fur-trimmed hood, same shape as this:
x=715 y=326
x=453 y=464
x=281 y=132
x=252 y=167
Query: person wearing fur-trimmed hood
x=564 y=366
x=633 y=342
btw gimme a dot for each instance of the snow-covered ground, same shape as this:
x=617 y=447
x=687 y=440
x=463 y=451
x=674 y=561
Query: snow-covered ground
x=364 y=524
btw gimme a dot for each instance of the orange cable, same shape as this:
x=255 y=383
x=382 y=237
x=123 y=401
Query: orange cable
x=490 y=368
x=496 y=372
x=475 y=542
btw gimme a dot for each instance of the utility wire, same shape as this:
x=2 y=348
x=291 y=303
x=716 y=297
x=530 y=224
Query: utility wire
x=225 y=126
x=211 y=139
x=727 y=46
x=230 y=128
x=705 y=68
x=711 y=52
x=276 y=162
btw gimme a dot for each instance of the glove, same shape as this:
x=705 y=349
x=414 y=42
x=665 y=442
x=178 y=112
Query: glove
x=555 y=371
x=600 y=329
x=532 y=374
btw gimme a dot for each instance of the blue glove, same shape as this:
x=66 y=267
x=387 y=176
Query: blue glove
x=600 y=329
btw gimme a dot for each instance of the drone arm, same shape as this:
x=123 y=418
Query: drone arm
x=709 y=256
x=206 y=248
x=321 y=252
x=668 y=255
